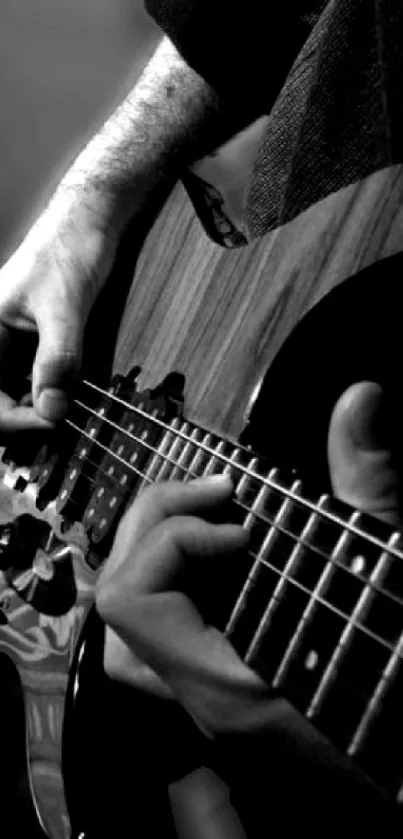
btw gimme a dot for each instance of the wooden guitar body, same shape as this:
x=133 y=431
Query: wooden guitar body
x=218 y=319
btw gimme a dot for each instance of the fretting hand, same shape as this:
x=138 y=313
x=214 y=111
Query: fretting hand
x=167 y=537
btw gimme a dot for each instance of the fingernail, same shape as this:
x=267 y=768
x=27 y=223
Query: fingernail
x=52 y=404
x=212 y=480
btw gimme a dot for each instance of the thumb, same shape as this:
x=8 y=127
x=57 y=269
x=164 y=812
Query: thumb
x=362 y=467
x=57 y=361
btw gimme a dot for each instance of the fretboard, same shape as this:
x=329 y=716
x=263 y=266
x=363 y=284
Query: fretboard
x=320 y=615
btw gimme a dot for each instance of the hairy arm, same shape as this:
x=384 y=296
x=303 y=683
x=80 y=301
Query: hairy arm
x=51 y=281
x=170 y=117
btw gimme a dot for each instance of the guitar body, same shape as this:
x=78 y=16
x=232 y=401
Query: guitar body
x=219 y=319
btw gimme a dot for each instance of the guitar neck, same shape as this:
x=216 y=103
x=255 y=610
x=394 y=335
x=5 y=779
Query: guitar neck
x=320 y=615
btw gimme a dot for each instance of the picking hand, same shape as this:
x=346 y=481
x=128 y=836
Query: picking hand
x=47 y=289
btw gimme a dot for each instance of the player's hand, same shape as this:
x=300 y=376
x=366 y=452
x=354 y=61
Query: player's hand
x=157 y=637
x=47 y=289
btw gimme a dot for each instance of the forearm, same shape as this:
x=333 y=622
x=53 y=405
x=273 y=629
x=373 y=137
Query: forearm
x=170 y=117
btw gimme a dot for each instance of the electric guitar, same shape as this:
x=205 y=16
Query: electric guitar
x=320 y=614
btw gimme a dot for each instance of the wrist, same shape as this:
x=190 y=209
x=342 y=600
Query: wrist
x=79 y=205
x=170 y=117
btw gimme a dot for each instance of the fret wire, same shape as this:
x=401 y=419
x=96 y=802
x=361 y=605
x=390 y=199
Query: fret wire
x=170 y=459
x=356 y=624
x=319 y=552
x=180 y=463
x=199 y=468
x=211 y=465
x=357 y=531
x=265 y=563
x=164 y=447
x=376 y=698
x=256 y=514
x=284 y=577
x=328 y=570
x=351 y=624
x=265 y=545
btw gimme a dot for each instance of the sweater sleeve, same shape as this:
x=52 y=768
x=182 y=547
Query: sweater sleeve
x=243 y=50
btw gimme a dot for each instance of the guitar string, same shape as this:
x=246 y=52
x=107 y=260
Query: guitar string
x=261 y=560
x=330 y=606
x=255 y=513
x=281 y=575
x=304 y=502
x=264 y=562
x=267 y=566
x=311 y=593
x=267 y=520
x=286 y=577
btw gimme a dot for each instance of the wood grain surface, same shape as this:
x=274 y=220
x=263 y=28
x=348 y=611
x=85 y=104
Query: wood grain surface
x=220 y=316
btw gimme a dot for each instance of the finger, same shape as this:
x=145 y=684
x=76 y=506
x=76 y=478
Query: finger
x=57 y=361
x=362 y=465
x=122 y=665
x=144 y=602
x=163 y=560
x=203 y=496
x=195 y=661
x=15 y=418
x=16 y=413
x=179 y=550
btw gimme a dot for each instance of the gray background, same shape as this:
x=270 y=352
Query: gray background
x=63 y=66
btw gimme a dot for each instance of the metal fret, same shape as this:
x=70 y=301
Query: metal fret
x=157 y=461
x=257 y=506
x=345 y=639
x=180 y=454
x=319 y=604
x=381 y=688
x=214 y=463
x=172 y=453
x=278 y=591
x=241 y=480
x=317 y=592
x=191 y=452
x=255 y=592
x=200 y=459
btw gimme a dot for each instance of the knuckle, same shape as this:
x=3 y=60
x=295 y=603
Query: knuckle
x=63 y=363
x=157 y=498
x=107 y=600
x=162 y=493
x=172 y=528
